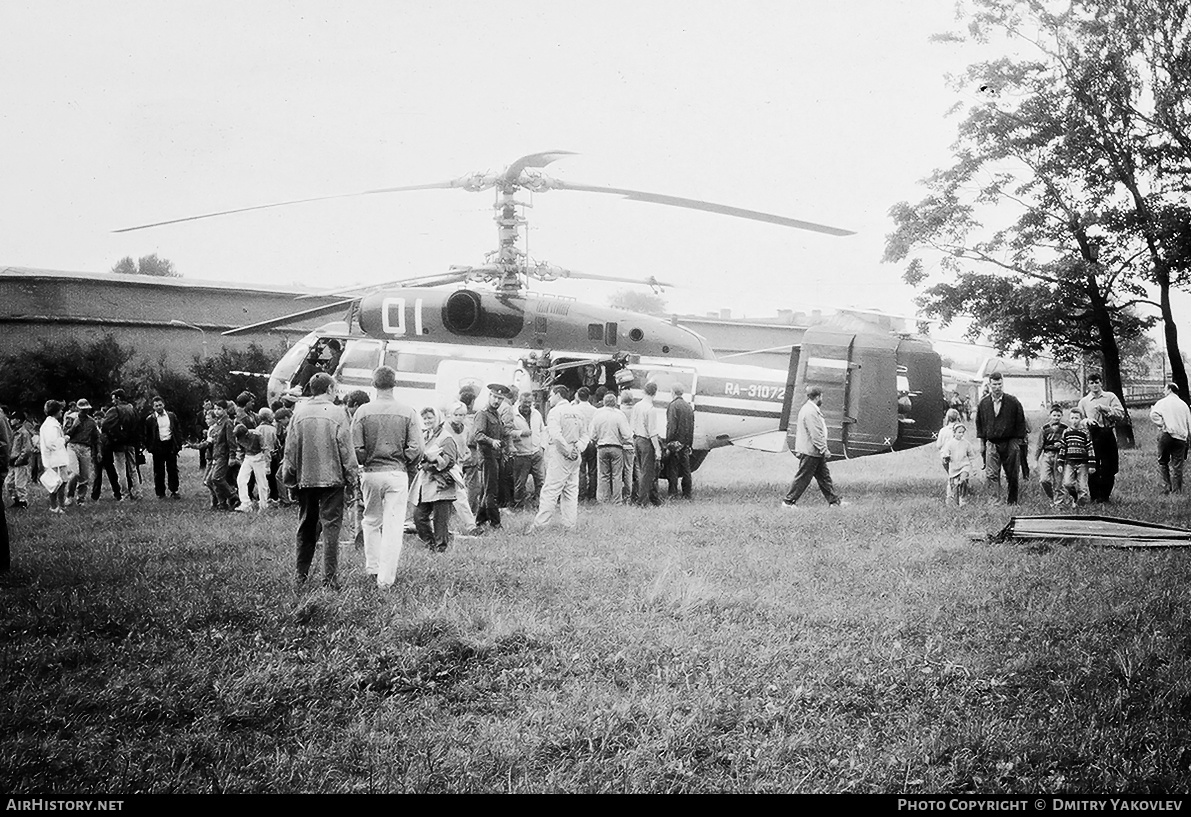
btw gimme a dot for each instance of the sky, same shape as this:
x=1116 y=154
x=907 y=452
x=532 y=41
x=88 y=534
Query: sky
x=122 y=113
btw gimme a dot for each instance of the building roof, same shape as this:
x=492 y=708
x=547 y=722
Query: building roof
x=148 y=280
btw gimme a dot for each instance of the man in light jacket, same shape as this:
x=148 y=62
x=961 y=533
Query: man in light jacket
x=1173 y=419
x=319 y=462
x=387 y=436
x=810 y=446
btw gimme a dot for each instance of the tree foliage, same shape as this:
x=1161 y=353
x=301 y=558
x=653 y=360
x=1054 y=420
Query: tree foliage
x=182 y=395
x=216 y=378
x=634 y=300
x=147 y=265
x=69 y=370
x=1062 y=211
x=63 y=371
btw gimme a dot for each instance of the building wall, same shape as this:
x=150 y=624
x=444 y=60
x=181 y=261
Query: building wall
x=37 y=305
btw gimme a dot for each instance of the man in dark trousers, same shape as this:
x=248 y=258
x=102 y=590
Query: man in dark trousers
x=810 y=447
x=490 y=437
x=1103 y=410
x=120 y=432
x=163 y=438
x=1002 y=431
x=680 y=436
x=320 y=461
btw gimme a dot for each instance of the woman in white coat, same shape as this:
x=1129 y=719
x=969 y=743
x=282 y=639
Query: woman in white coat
x=54 y=457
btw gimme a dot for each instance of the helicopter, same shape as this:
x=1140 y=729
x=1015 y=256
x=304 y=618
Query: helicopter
x=881 y=392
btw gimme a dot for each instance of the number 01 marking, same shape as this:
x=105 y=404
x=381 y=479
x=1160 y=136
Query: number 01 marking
x=395 y=308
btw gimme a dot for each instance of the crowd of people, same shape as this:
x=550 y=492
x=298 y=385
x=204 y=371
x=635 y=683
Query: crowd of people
x=366 y=471
x=1077 y=460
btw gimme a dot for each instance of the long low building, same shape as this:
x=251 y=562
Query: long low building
x=180 y=317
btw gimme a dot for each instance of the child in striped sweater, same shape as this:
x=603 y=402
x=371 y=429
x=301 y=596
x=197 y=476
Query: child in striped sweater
x=1078 y=459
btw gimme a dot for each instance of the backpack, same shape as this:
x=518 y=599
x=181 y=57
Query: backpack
x=124 y=431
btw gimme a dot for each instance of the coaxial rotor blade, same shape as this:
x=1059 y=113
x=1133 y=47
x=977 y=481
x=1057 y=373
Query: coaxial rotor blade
x=707 y=206
x=433 y=186
x=513 y=172
x=293 y=317
x=556 y=273
x=450 y=277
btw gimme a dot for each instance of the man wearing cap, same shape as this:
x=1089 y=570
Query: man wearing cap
x=1173 y=419
x=1102 y=410
x=1002 y=431
x=163 y=439
x=82 y=441
x=490 y=438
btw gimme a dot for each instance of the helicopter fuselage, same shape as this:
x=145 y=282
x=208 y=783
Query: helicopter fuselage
x=440 y=342
x=531 y=322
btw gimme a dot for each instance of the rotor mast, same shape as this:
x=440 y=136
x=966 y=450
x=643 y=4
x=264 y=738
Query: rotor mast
x=511 y=260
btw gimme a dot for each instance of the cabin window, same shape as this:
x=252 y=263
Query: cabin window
x=359 y=360
x=410 y=362
x=666 y=377
x=636 y=334
x=595 y=331
x=610 y=333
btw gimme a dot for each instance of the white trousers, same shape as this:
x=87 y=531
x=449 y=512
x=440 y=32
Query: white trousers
x=253 y=464
x=561 y=488
x=385 y=496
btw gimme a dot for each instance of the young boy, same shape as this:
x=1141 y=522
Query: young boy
x=960 y=459
x=1050 y=439
x=1078 y=459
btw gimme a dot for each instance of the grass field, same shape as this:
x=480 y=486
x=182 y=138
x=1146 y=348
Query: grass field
x=720 y=645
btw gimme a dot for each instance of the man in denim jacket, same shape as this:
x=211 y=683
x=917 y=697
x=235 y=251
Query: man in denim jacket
x=319 y=462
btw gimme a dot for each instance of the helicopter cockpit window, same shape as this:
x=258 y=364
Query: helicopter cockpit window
x=291 y=361
x=324 y=356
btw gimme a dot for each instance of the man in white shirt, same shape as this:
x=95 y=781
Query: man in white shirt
x=610 y=431
x=568 y=438
x=648 y=445
x=1173 y=419
x=810 y=446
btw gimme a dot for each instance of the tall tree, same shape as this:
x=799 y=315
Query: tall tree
x=1054 y=155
